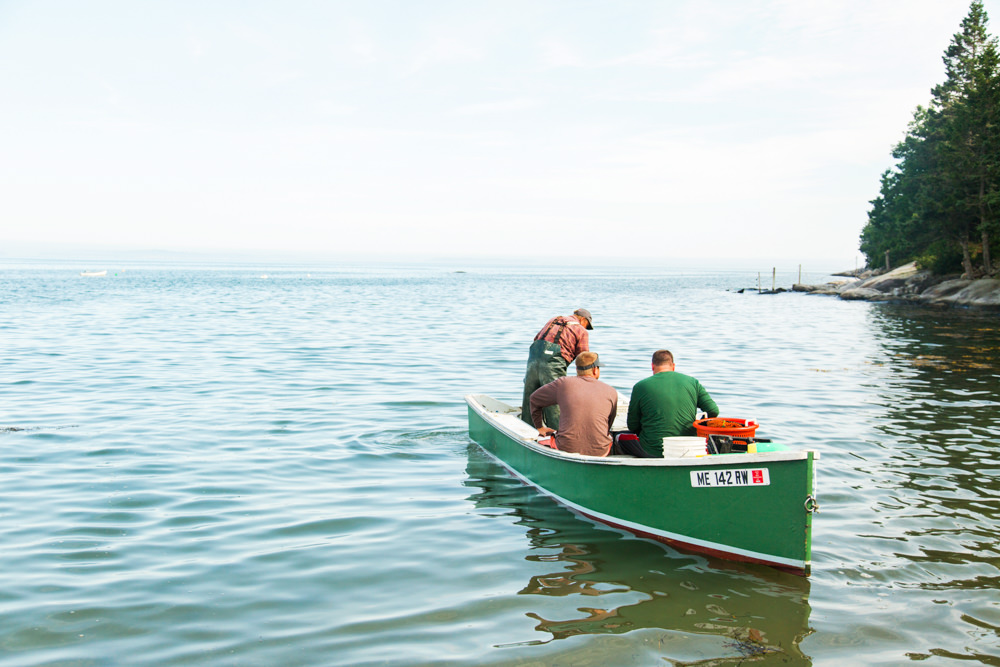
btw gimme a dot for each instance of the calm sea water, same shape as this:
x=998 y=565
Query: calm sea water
x=205 y=466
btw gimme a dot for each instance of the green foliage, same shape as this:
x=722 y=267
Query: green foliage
x=892 y=223
x=943 y=195
x=941 y=257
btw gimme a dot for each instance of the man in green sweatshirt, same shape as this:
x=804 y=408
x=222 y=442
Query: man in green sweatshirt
x=665 y=405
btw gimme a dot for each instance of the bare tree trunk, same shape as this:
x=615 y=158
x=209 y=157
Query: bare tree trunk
x=983 y=212
x=986 y=252
x=966 y=256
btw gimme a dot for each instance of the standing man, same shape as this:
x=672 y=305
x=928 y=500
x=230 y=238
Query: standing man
x=588 y=409
x=560 y=341
x=666 y=404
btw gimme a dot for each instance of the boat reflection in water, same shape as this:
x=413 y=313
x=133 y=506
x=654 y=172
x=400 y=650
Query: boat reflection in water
x=692 y=609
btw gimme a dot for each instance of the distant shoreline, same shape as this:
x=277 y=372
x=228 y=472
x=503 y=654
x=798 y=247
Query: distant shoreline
x=909 y=284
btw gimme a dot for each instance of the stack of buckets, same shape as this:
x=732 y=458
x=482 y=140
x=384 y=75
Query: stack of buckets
x=687 y=446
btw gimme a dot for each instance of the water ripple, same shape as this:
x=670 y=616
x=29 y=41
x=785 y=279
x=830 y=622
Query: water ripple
x=203 y=467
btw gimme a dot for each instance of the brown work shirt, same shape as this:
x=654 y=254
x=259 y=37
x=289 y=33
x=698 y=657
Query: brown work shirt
x=587 y=409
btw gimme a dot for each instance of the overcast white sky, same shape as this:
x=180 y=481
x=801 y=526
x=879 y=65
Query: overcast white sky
x=652 y=128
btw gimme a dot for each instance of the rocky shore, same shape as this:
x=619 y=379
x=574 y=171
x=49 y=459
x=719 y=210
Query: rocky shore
x=908 y=284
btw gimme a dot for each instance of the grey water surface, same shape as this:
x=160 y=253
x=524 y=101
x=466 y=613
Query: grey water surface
x=259 y=465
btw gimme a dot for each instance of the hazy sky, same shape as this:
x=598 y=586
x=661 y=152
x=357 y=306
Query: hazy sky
x=667 y=128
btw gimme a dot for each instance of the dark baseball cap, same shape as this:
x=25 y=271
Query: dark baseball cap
x=585 y=314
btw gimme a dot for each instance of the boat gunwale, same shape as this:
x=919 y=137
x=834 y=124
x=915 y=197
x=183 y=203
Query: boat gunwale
x=700 y=461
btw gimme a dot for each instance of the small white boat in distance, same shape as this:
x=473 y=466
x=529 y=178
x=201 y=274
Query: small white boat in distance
x=94 y=274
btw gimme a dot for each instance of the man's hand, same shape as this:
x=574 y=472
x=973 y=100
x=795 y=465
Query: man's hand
x=545 y=430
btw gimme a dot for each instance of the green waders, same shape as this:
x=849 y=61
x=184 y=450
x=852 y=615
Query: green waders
x=545 y=364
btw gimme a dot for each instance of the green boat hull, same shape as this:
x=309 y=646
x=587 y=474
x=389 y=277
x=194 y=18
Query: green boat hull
x=745 y=507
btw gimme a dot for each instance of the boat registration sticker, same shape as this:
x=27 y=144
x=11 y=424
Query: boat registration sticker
x=731 y=477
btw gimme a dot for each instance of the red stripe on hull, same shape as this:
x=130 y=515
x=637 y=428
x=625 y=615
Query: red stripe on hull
x=685 y=546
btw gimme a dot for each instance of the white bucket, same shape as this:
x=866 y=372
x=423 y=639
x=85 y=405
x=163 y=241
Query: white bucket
x=683 y=446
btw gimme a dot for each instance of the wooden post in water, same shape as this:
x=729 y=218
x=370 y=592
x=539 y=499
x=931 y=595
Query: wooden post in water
x=800 y=274
x=758 y=282
x=774 y=272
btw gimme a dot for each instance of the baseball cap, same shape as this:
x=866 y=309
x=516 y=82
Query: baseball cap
x=585 y=314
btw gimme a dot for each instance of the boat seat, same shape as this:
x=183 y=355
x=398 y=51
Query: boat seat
x=514 y=423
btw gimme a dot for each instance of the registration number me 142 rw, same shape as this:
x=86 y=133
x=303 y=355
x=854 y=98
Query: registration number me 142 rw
x=731 y=477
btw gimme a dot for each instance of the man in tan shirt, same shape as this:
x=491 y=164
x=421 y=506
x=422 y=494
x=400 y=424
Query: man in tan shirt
x=587 y=409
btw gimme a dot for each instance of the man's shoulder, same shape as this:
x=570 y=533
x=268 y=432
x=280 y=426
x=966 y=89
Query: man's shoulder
x=591 y=382
x=606 y=387
x=667 y=377
x=644 y=383
x=555 y=385
x=570 y=323
x=660 y=382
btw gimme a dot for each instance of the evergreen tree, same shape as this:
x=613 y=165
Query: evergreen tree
x=965 y=107
x=945 y=188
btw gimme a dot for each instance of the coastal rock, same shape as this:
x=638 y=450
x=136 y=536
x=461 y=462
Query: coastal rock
x=863 y=294
x=841 y=286
x=983 y=293
x=862 y=274
x=897 y=278
x=815 y=289
x=908 y=284
x=944 y=290
x=834 y=287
